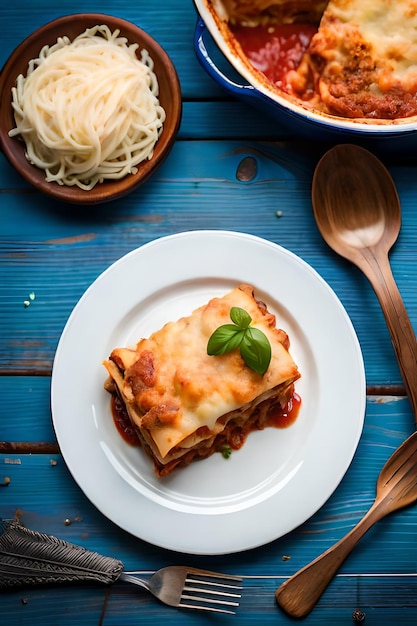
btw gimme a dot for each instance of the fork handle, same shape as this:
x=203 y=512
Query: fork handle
x=298 y=595
x=29 y=558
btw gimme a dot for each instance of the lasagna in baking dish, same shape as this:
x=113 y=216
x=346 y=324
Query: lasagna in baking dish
x=361 y=61
x=185 y=404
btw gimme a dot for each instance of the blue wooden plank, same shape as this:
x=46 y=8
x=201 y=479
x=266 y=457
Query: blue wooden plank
x=229 y=119
x=125 y=606
x=53 y=607
x=26 y=414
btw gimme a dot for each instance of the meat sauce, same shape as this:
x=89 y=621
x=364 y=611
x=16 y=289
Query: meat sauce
x=274 y=50
x=122 y=421
x=277 y=417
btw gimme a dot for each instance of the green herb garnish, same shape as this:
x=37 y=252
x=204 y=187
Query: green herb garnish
x=253 y=344
x=226 y=452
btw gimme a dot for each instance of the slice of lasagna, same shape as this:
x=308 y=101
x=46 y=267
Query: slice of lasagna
x=362 y=63
x=185 y=404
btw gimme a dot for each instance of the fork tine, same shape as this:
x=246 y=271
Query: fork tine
x=210 y=609
x=221 y=581
x=219 y=592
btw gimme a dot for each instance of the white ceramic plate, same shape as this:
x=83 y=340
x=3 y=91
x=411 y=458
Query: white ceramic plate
x=280 y=477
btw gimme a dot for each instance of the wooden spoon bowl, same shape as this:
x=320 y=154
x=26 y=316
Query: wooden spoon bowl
x=355 y=202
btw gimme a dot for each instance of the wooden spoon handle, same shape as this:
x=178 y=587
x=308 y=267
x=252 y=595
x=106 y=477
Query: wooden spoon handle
x=378 y=270
x=299 y=594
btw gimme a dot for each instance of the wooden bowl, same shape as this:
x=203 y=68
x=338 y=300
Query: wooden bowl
x=169 y=97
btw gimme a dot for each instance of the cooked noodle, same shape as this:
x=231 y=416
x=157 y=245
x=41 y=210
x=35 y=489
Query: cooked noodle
x=88 y=110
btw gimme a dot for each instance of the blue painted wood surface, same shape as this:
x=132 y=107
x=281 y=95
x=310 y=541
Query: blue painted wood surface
x=56 y=251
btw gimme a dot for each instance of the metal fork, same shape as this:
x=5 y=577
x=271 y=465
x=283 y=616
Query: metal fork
x=191 y=588
x=29 y=558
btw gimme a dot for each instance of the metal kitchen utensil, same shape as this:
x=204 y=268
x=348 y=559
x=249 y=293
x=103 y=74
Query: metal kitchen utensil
x=30 y=558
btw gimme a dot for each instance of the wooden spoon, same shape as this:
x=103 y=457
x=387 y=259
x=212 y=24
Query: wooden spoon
x=358 y=213
x=396 y=488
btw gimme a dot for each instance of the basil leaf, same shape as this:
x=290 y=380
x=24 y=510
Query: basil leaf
x=256 y=350
x=240 y=317
x=224 y=339
x=254 y=345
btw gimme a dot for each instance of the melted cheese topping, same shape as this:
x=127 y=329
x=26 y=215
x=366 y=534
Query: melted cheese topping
x=363 y=60
x=173 y=388
x=390 y=28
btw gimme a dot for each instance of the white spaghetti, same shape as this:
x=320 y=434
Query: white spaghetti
x=88 y=110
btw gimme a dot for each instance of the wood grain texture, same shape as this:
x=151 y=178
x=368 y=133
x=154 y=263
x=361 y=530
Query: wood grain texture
x=55 y=251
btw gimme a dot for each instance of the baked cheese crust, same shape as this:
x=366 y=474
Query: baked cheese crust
x=179 y=398
x=362 y=63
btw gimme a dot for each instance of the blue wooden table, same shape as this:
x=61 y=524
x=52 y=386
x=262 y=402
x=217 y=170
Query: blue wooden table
x=55 y=251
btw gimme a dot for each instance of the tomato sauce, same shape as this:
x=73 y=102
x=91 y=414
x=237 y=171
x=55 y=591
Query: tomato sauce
x=282 y=418
x=274 y=50
x=277 y=417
